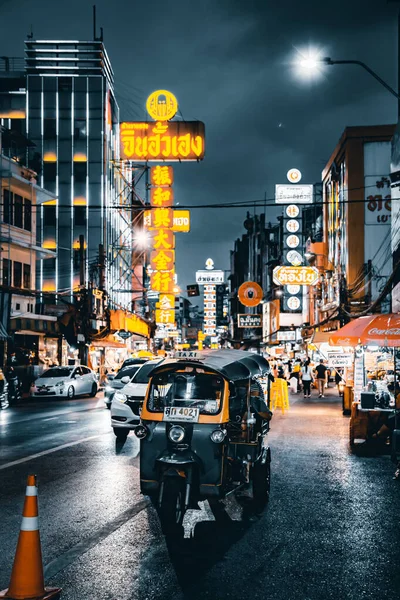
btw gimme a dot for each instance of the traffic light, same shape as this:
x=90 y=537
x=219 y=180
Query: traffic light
x=193 y=290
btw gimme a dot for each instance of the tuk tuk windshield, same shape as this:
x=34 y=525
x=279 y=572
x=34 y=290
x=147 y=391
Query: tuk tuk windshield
x=186 y=389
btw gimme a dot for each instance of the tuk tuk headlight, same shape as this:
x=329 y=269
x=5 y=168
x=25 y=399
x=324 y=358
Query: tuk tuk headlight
x=120 y=397
x=176 y=434
x=218 y=436
x=140 y=431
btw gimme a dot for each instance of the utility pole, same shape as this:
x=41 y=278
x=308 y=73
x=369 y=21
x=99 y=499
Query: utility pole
x=82 y=304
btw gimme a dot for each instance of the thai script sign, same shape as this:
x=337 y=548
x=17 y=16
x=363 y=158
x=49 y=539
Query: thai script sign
x=337 y=361
x=285 y=275
x=204 y=277
x=246 y=321
x=167 y=141
x=294 y=194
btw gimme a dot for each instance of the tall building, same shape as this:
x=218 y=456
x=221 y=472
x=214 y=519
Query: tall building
x=253 y=258
x=64 y=99
x=354 y=257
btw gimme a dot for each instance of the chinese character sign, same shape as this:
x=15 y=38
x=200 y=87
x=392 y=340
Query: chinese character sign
x=181 y=220
x=163 y=239
x=162 y=260
x=163 y=281
x=162 y=176
x=161 y=197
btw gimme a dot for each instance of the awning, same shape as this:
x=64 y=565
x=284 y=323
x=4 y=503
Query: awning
x=121 y=320
x=34 y=326
x=107 y=342
x=373 y=330
x=3 y=333
x=321 y=337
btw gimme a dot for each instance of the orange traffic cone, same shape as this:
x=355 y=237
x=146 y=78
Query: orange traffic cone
x=27 y=580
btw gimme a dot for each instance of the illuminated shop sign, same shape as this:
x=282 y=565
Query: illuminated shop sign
x=167 y=141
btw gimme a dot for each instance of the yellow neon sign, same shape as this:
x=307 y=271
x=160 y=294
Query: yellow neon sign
x=162 y=105
x=174 y=141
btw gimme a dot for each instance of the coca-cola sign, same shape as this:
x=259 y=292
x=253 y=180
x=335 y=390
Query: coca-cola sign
x=376 y=331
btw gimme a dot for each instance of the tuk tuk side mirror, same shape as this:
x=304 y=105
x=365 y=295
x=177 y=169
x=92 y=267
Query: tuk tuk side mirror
x=126 y=379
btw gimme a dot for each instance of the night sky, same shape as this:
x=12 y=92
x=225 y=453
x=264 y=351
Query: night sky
x=229 y=64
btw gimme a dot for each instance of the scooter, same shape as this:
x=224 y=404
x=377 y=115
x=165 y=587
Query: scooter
x=4 y=403
x=14 y=389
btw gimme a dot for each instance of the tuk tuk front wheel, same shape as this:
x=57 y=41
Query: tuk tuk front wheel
x=172 y=509
x=261 y=484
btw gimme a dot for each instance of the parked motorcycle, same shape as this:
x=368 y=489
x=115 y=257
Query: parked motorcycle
x=14 y=386
x=4 y=403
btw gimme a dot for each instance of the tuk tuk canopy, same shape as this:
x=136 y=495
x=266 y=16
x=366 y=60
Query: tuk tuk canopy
x=234 y=365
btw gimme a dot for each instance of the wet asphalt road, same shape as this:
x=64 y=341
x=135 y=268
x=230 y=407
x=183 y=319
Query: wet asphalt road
x=331 y=530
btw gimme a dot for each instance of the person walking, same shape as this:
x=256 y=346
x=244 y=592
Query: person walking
x=321 y=377
x=306 y=376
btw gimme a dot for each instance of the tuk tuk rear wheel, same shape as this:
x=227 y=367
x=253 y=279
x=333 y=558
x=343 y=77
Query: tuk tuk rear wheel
x=261 y=484
x=172 y=509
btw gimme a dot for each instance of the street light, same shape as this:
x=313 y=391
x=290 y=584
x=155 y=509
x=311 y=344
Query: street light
x=142 y=238
x=311 y=63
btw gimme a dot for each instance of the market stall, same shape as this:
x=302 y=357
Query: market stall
x=375 y=340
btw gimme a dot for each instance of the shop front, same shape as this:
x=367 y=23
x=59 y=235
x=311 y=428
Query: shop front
x=34 y=346
x=375 y=372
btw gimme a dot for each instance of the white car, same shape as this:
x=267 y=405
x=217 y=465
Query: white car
x=127 y=403
x=66 y=382
x=123 y=377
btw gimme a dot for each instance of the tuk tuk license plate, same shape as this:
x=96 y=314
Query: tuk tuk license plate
x=176 y=413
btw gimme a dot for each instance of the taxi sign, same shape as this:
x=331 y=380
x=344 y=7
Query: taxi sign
x=187 y=354
x=285 y=275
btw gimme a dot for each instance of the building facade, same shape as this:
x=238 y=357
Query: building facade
x=27 y=335
x=354 y=258
x=253 y=258
x=64 y=99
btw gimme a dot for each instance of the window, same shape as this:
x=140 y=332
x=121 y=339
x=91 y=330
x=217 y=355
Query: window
x=8 y=207
x=49 y=265
x=18 y=211
x=17 y=274
x=49 y=172
x=27 y=277
x=80 y=216
x=65 y=84
x=80 y=129
x=27 y=215
x=49 y=216
x=49 y=129
x=6 y=271
x=80 y=172
x=17 y=306
x=85 y=370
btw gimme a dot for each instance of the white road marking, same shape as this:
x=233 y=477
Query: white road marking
x=51 y=418
x=20 y=461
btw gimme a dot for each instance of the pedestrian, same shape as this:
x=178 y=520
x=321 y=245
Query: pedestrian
x=338 y=379
x=306 y=376
x=296 y=373
x=321 y=377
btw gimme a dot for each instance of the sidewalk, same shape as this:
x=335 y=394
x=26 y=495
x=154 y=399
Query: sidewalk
x=330 y=393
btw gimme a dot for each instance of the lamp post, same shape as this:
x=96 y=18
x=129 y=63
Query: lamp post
x=311 y=63
x=328 y=61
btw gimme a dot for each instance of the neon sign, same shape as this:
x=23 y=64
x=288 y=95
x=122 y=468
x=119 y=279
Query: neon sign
x=175 y=141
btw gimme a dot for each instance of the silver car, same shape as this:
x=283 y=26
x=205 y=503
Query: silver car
x=127 y=403
x=123 y=377
x=66 y=382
